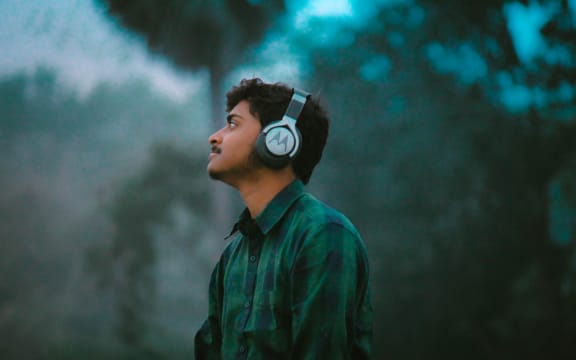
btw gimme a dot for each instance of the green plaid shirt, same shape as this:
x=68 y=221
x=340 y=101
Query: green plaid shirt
x=292 y=284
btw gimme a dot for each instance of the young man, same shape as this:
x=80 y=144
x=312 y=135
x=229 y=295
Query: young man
x=293 y=281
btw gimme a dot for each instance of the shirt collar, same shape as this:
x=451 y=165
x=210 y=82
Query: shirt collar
x=274 y=211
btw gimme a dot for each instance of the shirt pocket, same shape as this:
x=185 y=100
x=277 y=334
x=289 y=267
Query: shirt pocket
x=269 y=322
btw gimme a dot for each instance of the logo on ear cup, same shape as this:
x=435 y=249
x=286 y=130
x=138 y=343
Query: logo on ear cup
x=280 y=141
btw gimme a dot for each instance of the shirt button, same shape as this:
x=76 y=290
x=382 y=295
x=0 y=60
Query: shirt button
x=247 y=304
x=242 y=349
x=252 y=258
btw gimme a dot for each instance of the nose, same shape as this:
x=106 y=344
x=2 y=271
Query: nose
x=215 y=138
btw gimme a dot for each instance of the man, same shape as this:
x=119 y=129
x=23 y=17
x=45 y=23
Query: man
x=293 y=281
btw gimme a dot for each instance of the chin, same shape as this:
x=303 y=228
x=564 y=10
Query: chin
x=217 y=174
x=214 y=174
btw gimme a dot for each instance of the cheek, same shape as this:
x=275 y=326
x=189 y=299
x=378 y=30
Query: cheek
x=250 y=142
x=241 y=144
x=239 y=150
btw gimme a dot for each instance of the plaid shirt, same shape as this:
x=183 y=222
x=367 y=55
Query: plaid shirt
x=292 y=284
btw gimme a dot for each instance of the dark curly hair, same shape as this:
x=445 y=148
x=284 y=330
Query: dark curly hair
x=268 y=102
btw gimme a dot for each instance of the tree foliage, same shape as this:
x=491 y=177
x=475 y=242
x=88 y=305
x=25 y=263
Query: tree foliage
x=197 y=33
x=61 y=157
x=128 y=263
x=453 y=196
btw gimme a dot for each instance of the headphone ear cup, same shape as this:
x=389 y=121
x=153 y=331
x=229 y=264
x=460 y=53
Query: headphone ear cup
x=299 y=147
x=280 y=142
x=267 y=158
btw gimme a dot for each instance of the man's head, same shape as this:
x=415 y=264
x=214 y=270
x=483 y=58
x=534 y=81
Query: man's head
x=267 y=103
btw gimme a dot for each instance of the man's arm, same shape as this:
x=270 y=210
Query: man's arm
x=208 y=340
x=331 y=311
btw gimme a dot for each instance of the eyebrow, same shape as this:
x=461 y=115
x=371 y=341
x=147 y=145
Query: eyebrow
x=231 y=116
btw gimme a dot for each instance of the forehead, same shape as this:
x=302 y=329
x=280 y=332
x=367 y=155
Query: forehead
x=242 y=109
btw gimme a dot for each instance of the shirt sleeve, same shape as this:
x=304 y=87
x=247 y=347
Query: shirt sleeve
x=331 y=310
x=208 y=340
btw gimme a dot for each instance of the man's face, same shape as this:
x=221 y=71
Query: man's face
x=232 y=157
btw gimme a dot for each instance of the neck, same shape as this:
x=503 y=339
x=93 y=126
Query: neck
x=262 y=189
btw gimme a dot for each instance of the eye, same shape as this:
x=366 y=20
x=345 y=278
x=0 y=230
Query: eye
x=232 y=124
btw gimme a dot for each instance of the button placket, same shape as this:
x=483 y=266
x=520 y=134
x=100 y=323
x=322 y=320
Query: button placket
x=253 y=256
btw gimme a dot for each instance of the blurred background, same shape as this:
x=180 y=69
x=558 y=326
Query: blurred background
x=452 y=148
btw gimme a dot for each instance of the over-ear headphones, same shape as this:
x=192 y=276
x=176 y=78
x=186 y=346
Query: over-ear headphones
x=280 y=141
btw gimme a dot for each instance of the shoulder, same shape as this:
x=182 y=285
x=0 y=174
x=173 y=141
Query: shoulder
x=321 y=226
x=315 y=214
x=326 y=236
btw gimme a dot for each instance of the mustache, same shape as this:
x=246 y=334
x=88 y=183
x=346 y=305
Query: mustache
x=215 y=149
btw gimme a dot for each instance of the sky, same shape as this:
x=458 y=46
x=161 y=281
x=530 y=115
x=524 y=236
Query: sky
x=71 y=37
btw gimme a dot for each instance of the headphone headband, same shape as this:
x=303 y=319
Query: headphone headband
x=296 y=104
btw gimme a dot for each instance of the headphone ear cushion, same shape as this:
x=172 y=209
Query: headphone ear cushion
x=267 y=158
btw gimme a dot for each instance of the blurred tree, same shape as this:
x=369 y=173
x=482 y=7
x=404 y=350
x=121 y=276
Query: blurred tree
x=457 y=218
x=428 y=193
x=545 y=327
x=143 y=204
x=59 y=156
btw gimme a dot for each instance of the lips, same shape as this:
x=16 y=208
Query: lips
x=213 y=152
